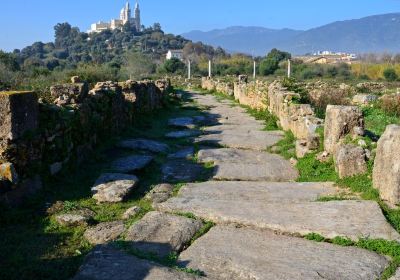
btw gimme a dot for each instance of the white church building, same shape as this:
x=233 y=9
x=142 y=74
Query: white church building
x=124 y=18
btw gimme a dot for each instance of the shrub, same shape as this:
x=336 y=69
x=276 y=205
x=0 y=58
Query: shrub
x=390 y=75
x=390 y=104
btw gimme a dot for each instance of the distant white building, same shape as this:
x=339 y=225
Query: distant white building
x=124 y=18
x=175 y=54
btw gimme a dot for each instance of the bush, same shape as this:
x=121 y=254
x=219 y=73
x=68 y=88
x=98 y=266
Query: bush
x=390 y=104
x=173 y=65
x=390 y=75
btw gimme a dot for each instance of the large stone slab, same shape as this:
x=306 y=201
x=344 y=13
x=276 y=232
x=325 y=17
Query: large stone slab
x=105 y=263
x=183 y=134
x=248 y=165
x=131 y=163
x=104 y=232
x=113 y=187
x=252 y=140
x=227 y=253
x=182 y=171
x=184 y=153
x=162 y=234
x=144 y=144
x=352 y=219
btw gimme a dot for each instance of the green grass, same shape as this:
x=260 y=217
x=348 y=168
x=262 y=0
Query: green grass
x=376 y=120
x=314 y=237
x=311 y=170
x=286 y=146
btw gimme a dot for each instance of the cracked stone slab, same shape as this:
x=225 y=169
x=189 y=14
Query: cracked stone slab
x=183 y=134
x=144 y=144
x=352 y=219
x=131 y=163
x=248 y=165
x=161 y=233
x=104 y=232
x=226 y=253
x=252 y=140
x=105 y=262
x=113 y=187
x=181 y=171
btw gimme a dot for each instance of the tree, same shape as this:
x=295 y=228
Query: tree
x=173 y=65
x=390 y=75
x=270 y=64
x=138 y=65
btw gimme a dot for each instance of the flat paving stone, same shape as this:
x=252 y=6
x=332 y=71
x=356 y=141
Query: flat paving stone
x=226 y=253
x=104 y=232
x=252 y=140
x=248 y=165
x=113 y=187
x=161 y=233
x=105 y=263
x=352 y=219
x=184 y=153
x=182 y=171
x=183 y=134
x=144 y=144
x=131 y=163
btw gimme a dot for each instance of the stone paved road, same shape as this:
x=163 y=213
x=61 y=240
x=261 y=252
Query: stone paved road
x=260 y=214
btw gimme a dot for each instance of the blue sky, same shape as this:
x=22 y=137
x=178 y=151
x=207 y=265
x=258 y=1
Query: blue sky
x=26 y=21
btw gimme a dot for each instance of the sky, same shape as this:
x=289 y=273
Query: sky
x=26 y=21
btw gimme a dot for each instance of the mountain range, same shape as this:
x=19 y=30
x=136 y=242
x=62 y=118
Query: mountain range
x=379 y=33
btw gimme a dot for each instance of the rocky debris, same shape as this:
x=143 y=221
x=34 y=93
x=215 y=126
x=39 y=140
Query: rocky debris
x=185 y=153
x=144 y=144
x=243 y=79
x=371 y=87
x=364 y=99
x=104 y=232
x=79 y=217
x=56 y=207
x=113 y=187
x=341 y=121
x=183 y=134
x=386 y=174
x=323 y=157
x=131 y=163
x=301 y=148
x=76 y=80
x=261 y=209
x=162 y=234
x=131 y=212
x=175 y=171
x=102 y=88
x=182 y=122
x=293 y=162
x=248 y=165
x=19 y=113
x=160 y=193
x=105 y=262
x=350 y=161
x=8 y=173
x=67 y=94
x=239 y=253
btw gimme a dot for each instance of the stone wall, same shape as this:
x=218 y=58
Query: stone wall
x=39 y=139
x=253 y=94
x=298 y=118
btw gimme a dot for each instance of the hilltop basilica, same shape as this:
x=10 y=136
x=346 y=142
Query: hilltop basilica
x=124 y=18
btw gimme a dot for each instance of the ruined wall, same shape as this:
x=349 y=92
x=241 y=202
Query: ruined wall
x=39 y=139
x=253 y=94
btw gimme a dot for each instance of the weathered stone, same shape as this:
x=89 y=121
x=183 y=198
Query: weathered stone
x=69 y=93
x=18 y=114
x=76 y=80
x=183 y=134
x=131 y=212
x=396 y=276
x=160 y=193
x=185 y=153
x=301 y=149
x=144 y=144
x=182 y=122
x=131 y=163
x=113 y=187
x=238 y=253
x=181 y=171
x=341 y=121
x=247 y=165
x=269 y=209
x=323 y=156
x=350 y=160
x=8 y=172
x=364 y=99
x=104 y=232
x=75 y=218
x=106 y=262
x=162 y=233
x=386 y=175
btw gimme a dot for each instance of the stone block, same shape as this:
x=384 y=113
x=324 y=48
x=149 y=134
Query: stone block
x=350 y=161
x=364 y=99
x=386 y=175
x=301 y=149
x=18 y=114
x=69 y=93
x=341 y=121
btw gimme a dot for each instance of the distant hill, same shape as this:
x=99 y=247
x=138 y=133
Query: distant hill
x=370 y=34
